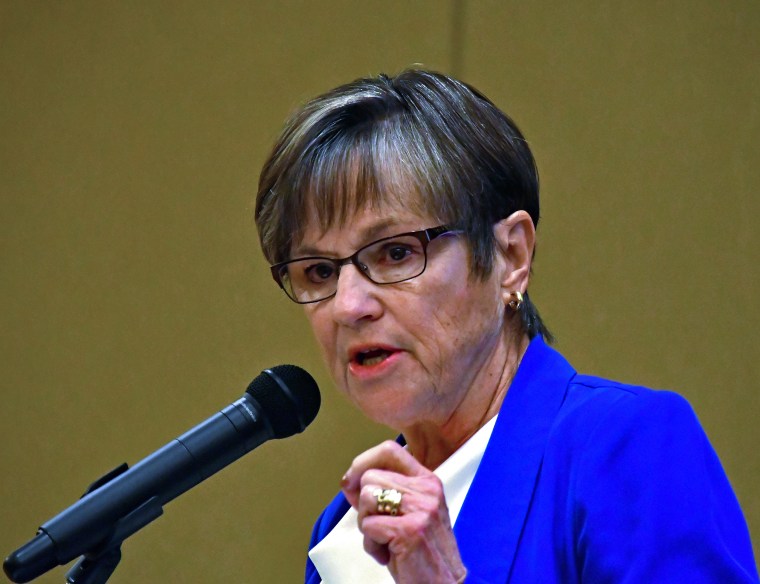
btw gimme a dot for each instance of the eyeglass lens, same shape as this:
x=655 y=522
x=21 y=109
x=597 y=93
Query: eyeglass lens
x=384 y=262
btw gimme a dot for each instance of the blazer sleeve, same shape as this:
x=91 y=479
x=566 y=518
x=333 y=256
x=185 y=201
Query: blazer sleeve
x=652 y=502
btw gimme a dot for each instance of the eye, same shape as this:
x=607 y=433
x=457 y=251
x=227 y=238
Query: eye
x=397 y=252
x=390 y=259
x=318 y=273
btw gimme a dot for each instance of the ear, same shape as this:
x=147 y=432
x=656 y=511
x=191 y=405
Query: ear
x=515 y=240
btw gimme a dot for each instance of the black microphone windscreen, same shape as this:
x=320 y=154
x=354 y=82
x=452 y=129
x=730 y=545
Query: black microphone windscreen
x=289 y=397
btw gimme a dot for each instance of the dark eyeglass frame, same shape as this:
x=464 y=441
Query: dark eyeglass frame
x=424 y=236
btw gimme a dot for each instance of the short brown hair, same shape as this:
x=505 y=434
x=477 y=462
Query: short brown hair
x=428 y=141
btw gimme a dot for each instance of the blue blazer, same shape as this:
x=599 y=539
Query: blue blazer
x=586 y=480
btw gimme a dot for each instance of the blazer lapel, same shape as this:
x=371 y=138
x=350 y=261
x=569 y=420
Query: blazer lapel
x=490 y=523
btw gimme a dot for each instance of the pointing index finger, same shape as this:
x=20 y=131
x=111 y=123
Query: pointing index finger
x=388 y=455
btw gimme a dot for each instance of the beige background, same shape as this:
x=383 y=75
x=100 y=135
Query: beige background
x=135 y=301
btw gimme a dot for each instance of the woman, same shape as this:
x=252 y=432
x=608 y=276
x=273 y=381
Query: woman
x=401 y=212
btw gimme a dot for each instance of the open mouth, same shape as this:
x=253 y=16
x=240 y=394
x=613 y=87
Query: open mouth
x=372 y=356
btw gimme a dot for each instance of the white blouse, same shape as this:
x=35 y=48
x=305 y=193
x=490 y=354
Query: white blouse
x=340 y=557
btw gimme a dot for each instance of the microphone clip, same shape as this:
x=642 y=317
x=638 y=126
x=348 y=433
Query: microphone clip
x=96 y=566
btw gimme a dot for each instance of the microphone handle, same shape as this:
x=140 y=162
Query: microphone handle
x=167 y=473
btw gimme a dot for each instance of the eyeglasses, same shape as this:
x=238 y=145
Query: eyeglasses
x=386 y=261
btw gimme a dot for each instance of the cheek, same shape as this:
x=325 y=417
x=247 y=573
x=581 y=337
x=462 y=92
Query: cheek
x=469 y=315
x=323 y=331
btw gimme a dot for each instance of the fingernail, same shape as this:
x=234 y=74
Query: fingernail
x=344 y=481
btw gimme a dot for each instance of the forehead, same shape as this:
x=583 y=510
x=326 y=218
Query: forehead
x=362 y=226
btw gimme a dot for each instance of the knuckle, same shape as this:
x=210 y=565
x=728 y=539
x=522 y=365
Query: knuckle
x=370 y=477
x=389 y=446
x=417 y=528
x=435 y=484
x=366 y=491
x=429 y=509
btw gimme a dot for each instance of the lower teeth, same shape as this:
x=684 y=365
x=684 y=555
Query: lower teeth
x=373 y=360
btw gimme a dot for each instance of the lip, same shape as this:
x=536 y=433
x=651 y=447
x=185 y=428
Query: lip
x=363 y=371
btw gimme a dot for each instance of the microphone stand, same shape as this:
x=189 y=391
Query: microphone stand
x=98 y=570
x=96 y=566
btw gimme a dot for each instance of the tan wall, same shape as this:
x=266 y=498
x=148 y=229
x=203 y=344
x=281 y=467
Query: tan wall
x=135 y=302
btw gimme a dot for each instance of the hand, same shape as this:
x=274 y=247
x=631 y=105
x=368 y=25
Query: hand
x=418 y=544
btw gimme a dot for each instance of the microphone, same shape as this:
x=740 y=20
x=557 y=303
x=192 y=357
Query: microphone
x=280 y=402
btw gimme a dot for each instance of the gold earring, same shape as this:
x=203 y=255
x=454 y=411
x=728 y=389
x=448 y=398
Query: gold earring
x=516 y=300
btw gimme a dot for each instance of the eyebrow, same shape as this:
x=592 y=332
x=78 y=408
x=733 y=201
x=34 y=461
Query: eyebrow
x=367 y=236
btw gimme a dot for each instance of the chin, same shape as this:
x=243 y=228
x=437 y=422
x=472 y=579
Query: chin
x=384 y=403
x=390 y=413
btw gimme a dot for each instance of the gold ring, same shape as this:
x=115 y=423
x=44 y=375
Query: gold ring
x=388 y=501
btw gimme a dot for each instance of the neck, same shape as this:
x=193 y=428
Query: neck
x=432 y=443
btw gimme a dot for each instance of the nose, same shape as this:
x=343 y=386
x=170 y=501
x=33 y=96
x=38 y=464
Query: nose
x=355 y=299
